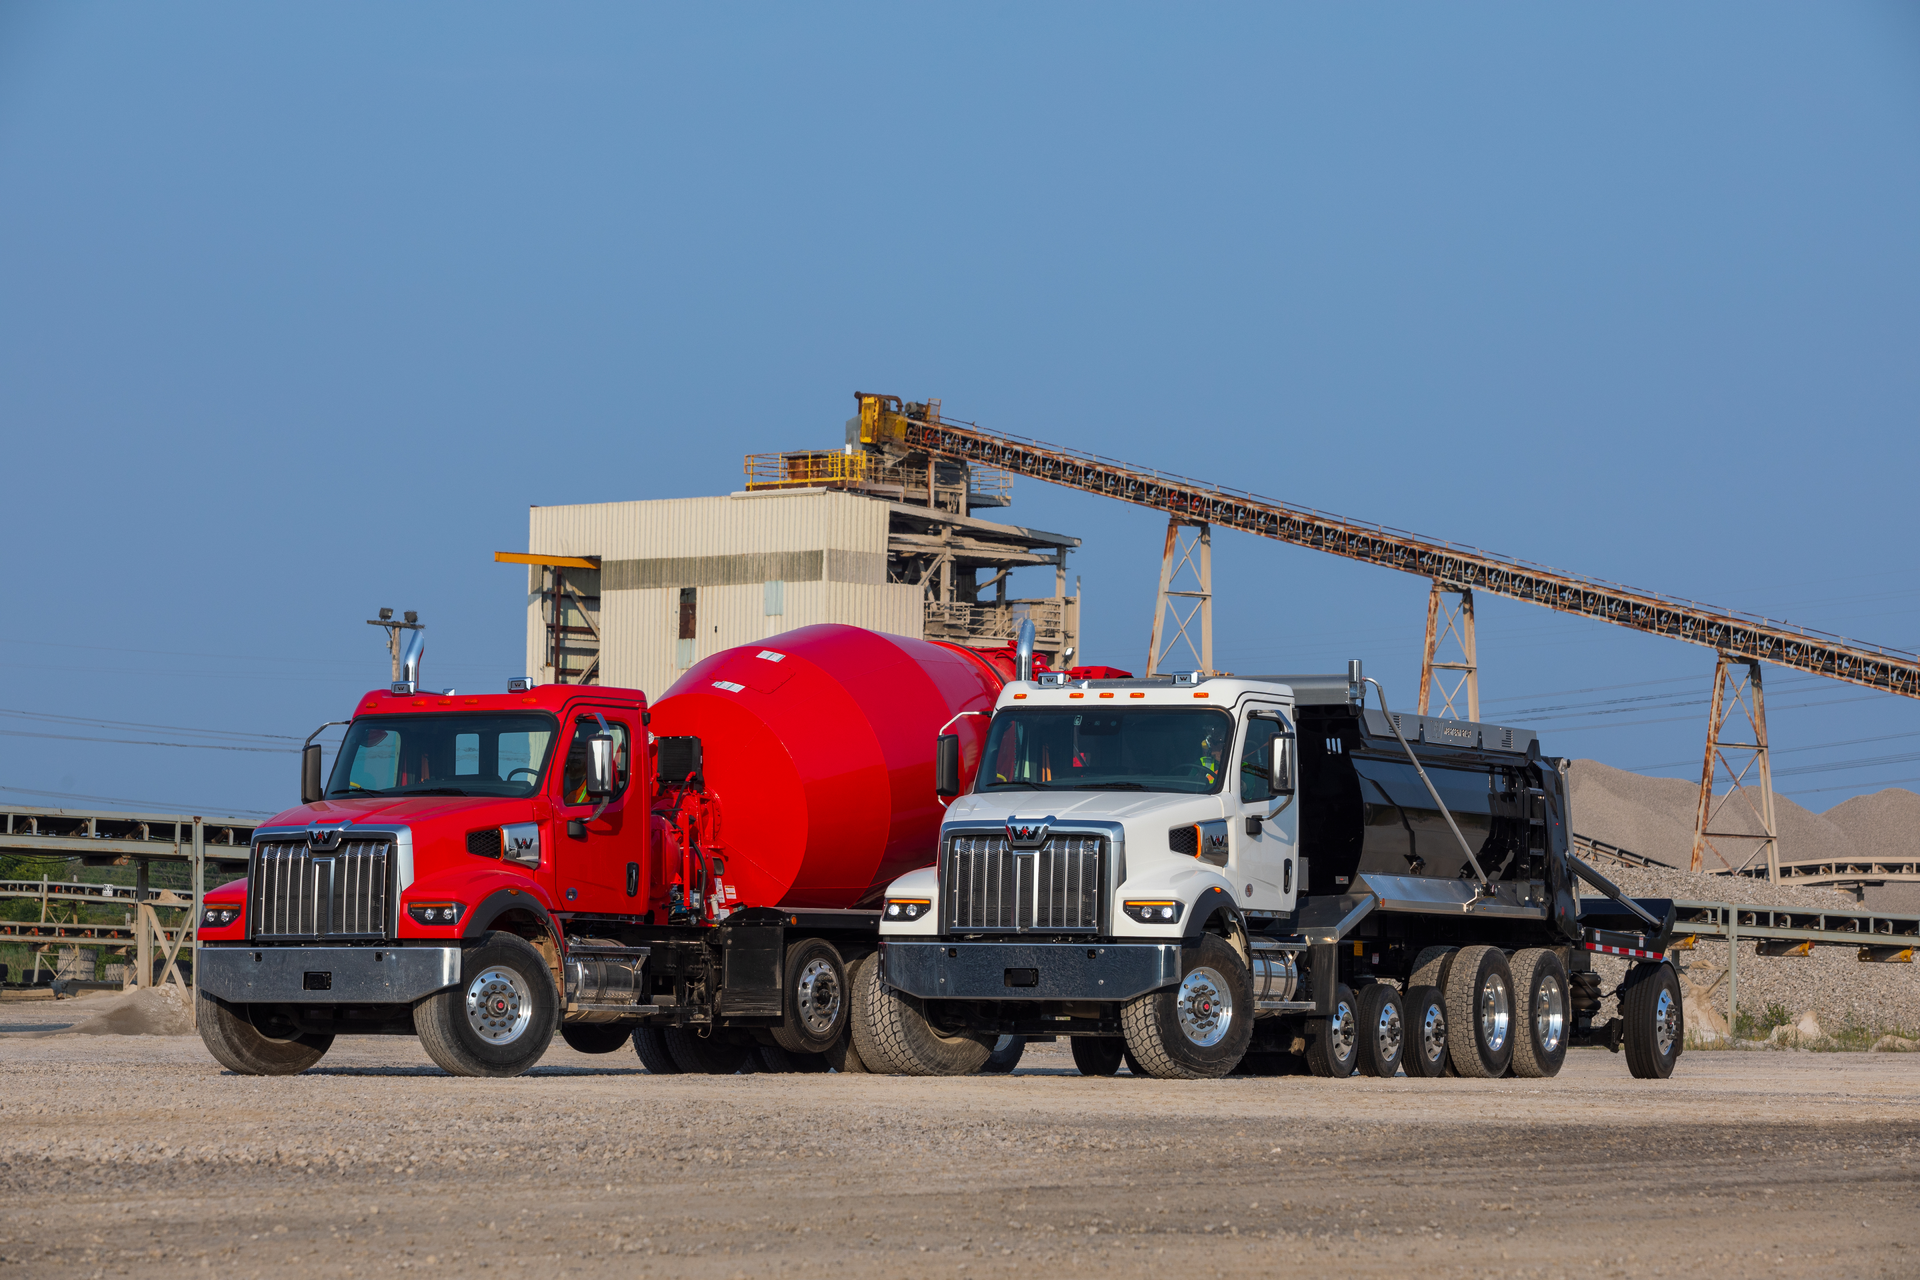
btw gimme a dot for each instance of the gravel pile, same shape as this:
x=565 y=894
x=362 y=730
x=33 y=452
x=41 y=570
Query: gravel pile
x=152 y=1011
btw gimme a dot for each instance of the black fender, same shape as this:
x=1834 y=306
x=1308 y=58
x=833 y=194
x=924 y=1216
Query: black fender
x=1211 y=905
x=504 y=902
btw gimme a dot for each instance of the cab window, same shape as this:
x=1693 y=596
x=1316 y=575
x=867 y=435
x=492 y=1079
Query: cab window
x=1256 y=762
x=573 y=779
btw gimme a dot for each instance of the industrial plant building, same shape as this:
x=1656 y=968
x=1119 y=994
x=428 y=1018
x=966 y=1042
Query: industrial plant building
x=633 y=593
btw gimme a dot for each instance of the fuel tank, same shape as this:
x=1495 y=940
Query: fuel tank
x=818 y=752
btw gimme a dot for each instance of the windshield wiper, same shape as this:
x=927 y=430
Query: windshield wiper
x=1110 y=786
x=432 y=791
x=1020 y=783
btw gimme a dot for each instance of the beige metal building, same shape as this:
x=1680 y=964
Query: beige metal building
x=633 y=593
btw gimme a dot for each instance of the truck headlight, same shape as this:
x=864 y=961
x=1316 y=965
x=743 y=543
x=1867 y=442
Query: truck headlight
x=1154 y=910
x=908 y=908
x=439 y=914
x=218 y=917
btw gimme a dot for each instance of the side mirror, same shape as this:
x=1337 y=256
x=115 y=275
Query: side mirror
x=946 y=765
x=1280 y=766
x=600 y=765
x=310 y=787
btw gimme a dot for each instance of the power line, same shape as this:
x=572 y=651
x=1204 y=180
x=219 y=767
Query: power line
x=97 y=722
x=138 y=742
x=1809 y=791
x=1781 y=751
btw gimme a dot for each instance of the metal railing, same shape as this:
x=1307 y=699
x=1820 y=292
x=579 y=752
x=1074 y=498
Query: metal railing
x=974 y=624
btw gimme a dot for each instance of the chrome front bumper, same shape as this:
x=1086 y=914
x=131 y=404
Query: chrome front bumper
x=326 y=975
x=1028 y=970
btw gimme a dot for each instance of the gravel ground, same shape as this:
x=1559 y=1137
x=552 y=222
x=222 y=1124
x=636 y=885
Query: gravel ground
x=136 y=1155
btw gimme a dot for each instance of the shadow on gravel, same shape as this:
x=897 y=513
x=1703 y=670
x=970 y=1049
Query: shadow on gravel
x=33 y=1026
x=431 y=1071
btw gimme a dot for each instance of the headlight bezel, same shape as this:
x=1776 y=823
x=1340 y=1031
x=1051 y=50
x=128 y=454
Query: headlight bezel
x=437 y=913
x=1153 y=911
x=220 y=916
x=906 y=910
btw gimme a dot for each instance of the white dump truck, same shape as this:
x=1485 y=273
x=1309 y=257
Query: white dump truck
x=1202 y=875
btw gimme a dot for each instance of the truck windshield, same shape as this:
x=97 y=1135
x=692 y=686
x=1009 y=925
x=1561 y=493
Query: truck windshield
x=458 y=755
x=1060 y=749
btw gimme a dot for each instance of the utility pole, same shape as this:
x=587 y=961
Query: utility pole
x=394 y=629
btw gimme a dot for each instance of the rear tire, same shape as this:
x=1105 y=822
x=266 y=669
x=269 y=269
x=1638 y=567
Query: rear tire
x=1430 y=967
x=707 y=1055
x=1480 y=1012
x=841 y=1055
x=894 y=1037
x=1098 y=1055
x=1656 y=1025
x=1540 y=1036
x=1199 y=1029
x=1333 y=1042
x=499 y=1019
x=813 y=999
x=244 y=1049
x=1006 y=1055
x=651 y=1044
x=1426 y=1054
x=595 y=1037
x=1383 y=1031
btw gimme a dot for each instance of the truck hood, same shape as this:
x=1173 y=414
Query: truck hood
x=469 y=811
x=1115 y=806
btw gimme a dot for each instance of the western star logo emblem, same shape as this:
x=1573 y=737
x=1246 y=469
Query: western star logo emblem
x=1028 y=832
x=319 y=837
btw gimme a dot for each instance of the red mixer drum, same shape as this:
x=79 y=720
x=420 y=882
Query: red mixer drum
x=818 y=748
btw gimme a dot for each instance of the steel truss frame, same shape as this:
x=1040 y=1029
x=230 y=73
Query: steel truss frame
x=1739 y=634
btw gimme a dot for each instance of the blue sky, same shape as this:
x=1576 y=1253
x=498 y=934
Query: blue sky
x=301 y=307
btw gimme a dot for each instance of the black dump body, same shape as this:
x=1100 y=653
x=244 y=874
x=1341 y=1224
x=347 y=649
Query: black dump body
x=1364 y=810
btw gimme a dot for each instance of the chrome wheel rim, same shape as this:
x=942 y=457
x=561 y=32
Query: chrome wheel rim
x=1666 y=1022
x=1433 y=1033
x=1343 y=1032
x=1205 y=1006
x=1549 y=1015
x=1388 y=1033
x=818 y=993
x=1496 y=1013
x=499 y=1005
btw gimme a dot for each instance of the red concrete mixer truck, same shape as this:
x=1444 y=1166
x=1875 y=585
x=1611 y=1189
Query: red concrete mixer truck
x=483 y=870
x=1191 y=874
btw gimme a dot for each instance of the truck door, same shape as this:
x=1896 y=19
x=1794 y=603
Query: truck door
x=599 y=859
x=1262 y=865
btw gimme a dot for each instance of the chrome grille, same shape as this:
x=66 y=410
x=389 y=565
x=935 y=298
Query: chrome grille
x=297 y=892
x=986 y=884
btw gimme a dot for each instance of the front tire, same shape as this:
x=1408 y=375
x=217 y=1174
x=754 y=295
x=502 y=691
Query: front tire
x=894 y=1037
x=1656 y=1026
x=813 y=1001
x=244 y=1049
x=1199 y=1029
x=1333 y=1042
x=596 y=1037
x=1540 y=1033
x=1006 y=1055
x=1097 y=1055
x=1383 y=1031
x=1480 y=1012
x=499 y=1019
